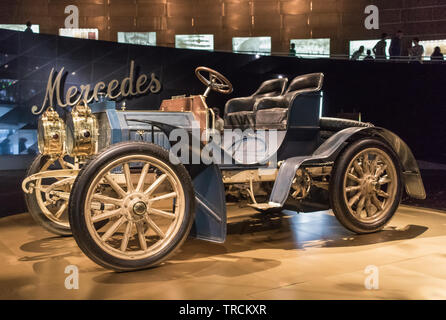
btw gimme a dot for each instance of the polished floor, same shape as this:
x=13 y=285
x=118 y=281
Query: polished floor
x=286 y=256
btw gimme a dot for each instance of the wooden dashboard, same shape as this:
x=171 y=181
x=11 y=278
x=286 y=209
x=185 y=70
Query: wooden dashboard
x=194 y=104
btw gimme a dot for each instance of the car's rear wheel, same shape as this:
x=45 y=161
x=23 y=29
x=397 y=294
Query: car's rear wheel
x=148 y=204
x=366 y=186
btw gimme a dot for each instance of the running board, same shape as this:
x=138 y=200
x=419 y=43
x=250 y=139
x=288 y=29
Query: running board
x=264 y=206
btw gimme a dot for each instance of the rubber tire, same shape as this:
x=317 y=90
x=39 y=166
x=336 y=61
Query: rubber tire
x=77 y=201
x=337 y=203
x=33 y=206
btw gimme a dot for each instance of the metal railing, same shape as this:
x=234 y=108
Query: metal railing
x=400 y=59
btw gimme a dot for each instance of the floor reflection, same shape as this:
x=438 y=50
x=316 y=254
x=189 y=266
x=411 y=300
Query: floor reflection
x=264 y=255
x=286 y=230
x=227 y=267
x=50 y=248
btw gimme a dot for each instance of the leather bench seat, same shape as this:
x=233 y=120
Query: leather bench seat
x=272 y=112
x=240 y=113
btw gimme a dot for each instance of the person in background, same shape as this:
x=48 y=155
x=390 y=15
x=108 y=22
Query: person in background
x=380 y=48
x=369 y=57
x=395 y=45
x=219 y=122
x=28 y=27
x=417 y=51
x=292 y=50
x=5 y=145
x=22 y=145
x=437 y=55
x=358 y=53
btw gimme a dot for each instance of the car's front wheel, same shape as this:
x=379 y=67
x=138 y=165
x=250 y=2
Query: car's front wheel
x=50 y=211
x=146 y=202
x=366 y=186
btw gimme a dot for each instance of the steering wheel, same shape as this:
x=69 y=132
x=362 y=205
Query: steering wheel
x=215 y=81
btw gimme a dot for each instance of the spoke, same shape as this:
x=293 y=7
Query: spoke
x=61 y=210
x=142 y=178
x=141 y=236
x=127 y=234
x=222 y=86
x=155 y=185
x=101 y=207
x=351 y=176
x=358 y=168
x=111 y=231
x=360 y=206
x=115 y=185
x=354 y=199
x=106 y=215
x=383 y=194
x=384 y=180
x=373 y=165
x=377 y=203
x=368 y=207
x=128 y=177
x=106 y=199
x=164 y=197
x=366 y=164
x=354 y=188
x=153 y=225
x=162 y=213
x=381 y=170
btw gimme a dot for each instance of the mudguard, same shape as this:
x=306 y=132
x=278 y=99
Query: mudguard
x=210 y=205
x=329 y=150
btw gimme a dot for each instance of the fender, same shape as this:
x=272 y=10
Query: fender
x=210 y=204
x=329 y=150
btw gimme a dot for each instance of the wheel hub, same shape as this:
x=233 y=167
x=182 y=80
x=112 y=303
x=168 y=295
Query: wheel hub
x=139 y=208
x=136 y=206
x=369 y=185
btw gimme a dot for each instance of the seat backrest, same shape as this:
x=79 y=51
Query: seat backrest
x=307 y=82
x=271 y=88
x=272 y=112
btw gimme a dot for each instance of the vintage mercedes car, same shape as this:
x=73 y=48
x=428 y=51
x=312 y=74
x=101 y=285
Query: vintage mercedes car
x=110 y=177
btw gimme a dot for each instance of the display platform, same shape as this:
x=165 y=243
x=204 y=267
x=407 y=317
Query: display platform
x=281 y=256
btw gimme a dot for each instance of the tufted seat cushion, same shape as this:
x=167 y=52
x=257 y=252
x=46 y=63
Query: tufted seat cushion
x=272 y=112
x=239 y=112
